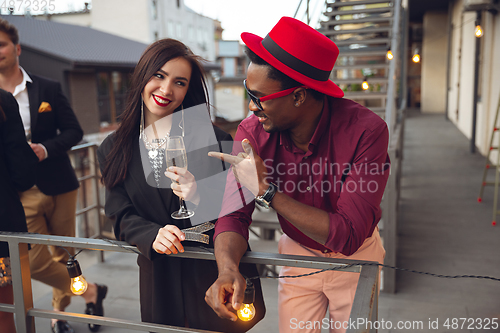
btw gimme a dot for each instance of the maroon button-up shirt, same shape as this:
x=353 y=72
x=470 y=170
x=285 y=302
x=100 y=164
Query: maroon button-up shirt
x=344 y=172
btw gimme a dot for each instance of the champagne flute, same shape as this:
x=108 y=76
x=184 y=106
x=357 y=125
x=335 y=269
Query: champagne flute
x=175 y=154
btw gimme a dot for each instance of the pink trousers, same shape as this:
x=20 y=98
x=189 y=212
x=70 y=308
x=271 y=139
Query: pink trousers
x=303 y=301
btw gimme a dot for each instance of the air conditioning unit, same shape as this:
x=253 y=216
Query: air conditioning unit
x=475 y=5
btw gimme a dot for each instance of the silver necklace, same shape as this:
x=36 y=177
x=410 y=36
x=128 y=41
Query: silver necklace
x=152 y=149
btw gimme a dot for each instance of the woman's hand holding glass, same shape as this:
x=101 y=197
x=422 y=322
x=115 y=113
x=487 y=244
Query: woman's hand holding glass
x=168 y=240
x=183 y=184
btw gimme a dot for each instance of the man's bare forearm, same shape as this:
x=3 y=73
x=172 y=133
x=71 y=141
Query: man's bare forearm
x=229 y=247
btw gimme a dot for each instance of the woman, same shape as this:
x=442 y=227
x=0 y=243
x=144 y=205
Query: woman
x=17 y=173
x=167 y=93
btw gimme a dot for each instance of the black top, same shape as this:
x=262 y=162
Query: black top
x=172 y=289
x=17 y=169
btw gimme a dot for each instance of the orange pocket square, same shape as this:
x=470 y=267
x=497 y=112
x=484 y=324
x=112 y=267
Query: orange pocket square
x=44 y=107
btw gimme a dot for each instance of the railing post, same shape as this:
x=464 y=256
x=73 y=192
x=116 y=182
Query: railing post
x=23 y=295
x=365 y=305
x=95 y=181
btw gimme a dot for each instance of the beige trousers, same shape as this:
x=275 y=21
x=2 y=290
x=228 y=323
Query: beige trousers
x=51 y=215
x=302 y=302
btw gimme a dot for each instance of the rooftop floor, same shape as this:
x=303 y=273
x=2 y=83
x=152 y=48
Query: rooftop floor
x=442 y=229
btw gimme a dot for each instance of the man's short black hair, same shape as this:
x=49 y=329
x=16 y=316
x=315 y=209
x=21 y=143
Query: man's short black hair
x=274 y=74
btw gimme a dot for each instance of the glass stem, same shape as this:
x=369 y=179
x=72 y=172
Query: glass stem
x=182 y=208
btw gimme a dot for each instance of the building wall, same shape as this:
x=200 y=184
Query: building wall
x=39 y=64
x=489 y=87
x=83 y=90
x=182 y=23
x=453 y=105
x=230 y=98
x=434 y=57
x=126 y=18
x=460 y=98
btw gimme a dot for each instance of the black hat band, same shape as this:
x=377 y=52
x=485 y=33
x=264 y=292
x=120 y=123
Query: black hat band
x=294 y=63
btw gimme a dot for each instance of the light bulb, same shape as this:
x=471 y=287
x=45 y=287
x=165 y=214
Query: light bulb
x=365 y=85
x=246 y=312
x=479 y=31
x=390 y=56
x=78 y=283
x=416 y=58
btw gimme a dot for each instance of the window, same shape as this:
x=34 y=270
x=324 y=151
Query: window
x=170 y=29
x=178 y=30
x=111 y=94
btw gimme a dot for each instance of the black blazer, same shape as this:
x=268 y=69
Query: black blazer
x=58 y=130
x=172 y=289
x=17 y=168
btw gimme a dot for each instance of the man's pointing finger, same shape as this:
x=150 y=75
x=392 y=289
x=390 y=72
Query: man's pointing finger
x=225 y=157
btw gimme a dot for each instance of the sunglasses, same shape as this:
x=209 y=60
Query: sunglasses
x=256 y=100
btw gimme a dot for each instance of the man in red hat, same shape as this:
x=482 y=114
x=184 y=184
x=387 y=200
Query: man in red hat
x=319 y=160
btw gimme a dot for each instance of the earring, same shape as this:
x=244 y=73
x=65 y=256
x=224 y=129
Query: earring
x=141 y=125
x=181 y=124
x=297 y=104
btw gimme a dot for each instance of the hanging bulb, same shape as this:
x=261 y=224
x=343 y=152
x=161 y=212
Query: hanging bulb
x=365 y=84
x=247 y=311
x=479 y=31
x=416 y=56
x=78 y=283
x=390 y=56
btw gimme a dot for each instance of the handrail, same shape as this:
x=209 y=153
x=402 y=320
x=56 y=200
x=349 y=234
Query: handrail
x=365 y=300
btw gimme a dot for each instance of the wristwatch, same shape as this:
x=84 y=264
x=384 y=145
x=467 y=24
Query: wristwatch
x=265 y=199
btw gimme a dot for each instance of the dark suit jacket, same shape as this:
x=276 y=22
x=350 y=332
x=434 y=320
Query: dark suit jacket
x=58 y=130
x=17 y=168
x=171 y=289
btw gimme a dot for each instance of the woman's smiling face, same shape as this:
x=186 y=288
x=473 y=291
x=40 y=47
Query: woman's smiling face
x=166 y=89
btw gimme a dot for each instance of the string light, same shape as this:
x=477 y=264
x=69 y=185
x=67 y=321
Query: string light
x=479 y=31
x=416 y=56
x=365 y=84
x=247 y=311
x=78 y=284
x=389 y=55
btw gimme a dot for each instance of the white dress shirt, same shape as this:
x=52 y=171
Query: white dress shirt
x=22 y=98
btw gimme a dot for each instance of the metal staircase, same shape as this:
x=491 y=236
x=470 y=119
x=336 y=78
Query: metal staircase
x=363 y=31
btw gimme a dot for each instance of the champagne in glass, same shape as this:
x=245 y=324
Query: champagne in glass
x=175 y=154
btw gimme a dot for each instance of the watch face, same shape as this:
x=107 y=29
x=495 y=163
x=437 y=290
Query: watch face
x=261 y=202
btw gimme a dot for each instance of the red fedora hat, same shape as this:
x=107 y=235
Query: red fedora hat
x=299 y=51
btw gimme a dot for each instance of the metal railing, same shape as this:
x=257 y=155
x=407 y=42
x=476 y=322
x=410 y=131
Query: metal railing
x=365 y=304
x=84 y=160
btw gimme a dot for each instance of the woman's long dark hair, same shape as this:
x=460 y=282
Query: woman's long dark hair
x=153 y=58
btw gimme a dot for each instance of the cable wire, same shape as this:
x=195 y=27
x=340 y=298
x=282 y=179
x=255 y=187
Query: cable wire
x=381 y=265
x=482 y=277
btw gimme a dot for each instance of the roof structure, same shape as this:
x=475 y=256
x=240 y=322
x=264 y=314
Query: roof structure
x=78 y=45
x=81 y=46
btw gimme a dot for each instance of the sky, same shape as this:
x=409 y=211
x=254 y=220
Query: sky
x=236 y=16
